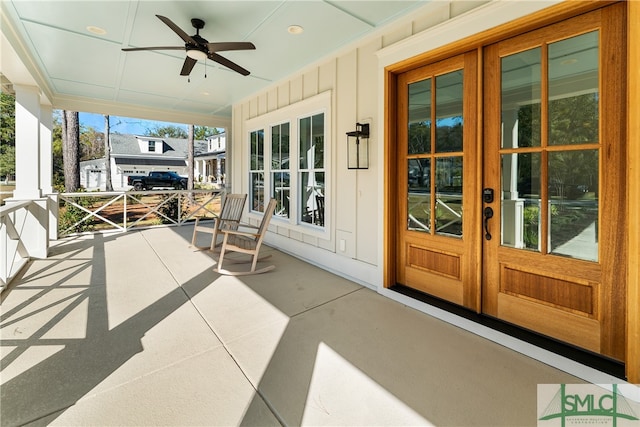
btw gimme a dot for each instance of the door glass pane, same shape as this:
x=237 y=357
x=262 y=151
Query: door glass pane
x=419 y=196
x=449 y=196
x=520 y=195
x=449 y=112
x=521 y=99
x=573 y=204
x=573 y=90
x=419 y=117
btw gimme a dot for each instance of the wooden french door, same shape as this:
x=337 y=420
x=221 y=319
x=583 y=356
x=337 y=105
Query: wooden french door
x=554 y=155
x=438 y=240
x=522 y=220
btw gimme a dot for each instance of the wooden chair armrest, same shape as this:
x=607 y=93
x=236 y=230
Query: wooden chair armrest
x=240 y=233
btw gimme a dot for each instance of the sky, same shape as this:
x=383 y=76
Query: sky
x=125 y=125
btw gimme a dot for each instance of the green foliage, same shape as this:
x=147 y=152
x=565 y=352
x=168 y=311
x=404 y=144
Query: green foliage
x=200 y=132
x=167 y=132
x=7 y=119
x=7 y=134
x=91 y=143
x=531 y=223
x=170 y=209
x=70 y=215
x=7 y=160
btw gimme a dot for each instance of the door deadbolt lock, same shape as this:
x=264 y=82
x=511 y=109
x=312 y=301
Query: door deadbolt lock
x=487 y=195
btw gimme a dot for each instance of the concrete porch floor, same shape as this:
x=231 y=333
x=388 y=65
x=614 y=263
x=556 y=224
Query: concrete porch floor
x=136 y=329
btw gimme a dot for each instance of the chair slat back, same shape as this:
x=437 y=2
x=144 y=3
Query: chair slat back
x=268 y=213
x=232 y=207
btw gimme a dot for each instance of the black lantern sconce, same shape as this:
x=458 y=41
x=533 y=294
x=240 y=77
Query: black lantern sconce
x=358 y=147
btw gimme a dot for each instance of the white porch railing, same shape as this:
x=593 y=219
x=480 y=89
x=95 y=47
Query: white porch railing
x=89 y=212
x=14 y=254
x=125 y=210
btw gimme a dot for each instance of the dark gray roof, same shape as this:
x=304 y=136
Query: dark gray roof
x=173 y=147
x=149 y=162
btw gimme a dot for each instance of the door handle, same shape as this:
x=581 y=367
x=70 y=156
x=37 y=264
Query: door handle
x=488 y=214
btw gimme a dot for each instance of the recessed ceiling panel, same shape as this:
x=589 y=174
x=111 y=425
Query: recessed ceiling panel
x=84 y=90
x=76 y=16
x=146 y=99
x=70 y=56
x=377 y=12
x=153 y=72
x=326 y=28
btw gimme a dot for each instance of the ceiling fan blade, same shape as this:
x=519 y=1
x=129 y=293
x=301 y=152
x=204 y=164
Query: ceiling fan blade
x=131 y=49
x=220 y=46
x=227 y=63
x=188 y=65
x=184 y=36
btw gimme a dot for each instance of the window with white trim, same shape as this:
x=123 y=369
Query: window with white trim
x=290 y=151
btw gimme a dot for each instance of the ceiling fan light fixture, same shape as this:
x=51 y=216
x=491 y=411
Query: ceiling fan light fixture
x=196 y=54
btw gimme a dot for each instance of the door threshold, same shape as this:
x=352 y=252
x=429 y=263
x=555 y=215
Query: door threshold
x=593 y=360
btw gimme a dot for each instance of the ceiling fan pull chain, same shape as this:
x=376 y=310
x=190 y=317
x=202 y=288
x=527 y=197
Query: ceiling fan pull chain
x=205 y=68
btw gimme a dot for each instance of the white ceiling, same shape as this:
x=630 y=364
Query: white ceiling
x=77 y=64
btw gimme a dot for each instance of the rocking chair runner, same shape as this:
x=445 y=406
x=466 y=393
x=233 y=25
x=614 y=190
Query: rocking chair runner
x=247 y=242
x=229 y=219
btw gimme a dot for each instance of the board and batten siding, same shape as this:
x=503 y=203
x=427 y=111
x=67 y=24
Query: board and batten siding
x=356 y=208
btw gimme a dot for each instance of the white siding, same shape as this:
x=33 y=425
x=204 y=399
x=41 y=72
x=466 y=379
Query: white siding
x=355 y=78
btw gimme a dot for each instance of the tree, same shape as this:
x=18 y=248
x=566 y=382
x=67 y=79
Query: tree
x=7 y=135
x=202 y=132
x=91 y=144
x=107 y=154
x=56 y=151
x=8 y=161
x=167 y=132
x=190 y=152
x=7 y=119
x=71 y=150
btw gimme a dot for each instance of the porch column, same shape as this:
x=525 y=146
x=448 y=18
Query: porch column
x=46 y=149
x=29 y=173
x=228 y=155
x=28 y=153
x=46 y=167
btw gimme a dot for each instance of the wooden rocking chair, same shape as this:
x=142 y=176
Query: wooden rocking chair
x=229 y=219
x=247 y=242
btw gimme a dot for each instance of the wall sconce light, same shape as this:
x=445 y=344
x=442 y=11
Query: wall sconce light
x=358 y=147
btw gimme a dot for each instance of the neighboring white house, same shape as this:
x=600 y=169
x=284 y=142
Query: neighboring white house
x=139 y=155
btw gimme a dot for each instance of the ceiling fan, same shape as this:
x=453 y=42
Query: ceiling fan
x=198 y=48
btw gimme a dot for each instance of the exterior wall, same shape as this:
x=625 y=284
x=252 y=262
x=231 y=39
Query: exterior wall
x=355 y=79
x=93 y=174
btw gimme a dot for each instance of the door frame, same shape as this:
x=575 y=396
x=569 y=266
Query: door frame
x=521 y=25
